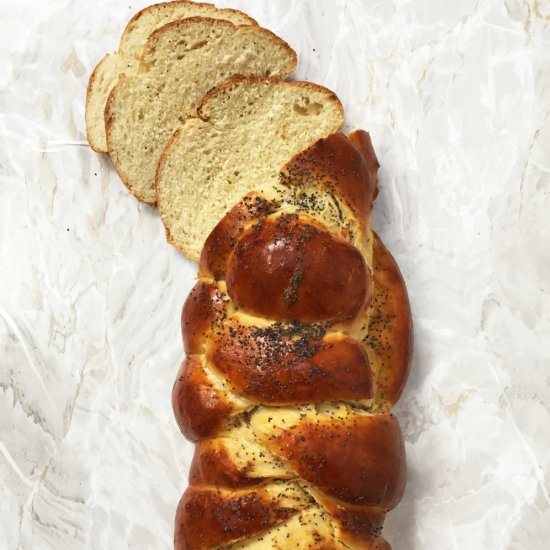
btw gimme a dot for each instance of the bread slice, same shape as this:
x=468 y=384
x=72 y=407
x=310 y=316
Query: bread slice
x=247 y=129
x=126 y=59
x=181 y=62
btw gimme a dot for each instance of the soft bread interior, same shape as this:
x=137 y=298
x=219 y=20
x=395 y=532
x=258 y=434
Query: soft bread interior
x=126 y=60
x=247 y=130
x=142 y=25
x=181 y=62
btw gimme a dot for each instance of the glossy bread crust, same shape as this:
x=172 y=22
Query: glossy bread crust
x=370 y=447
x=272 y=366
x=298 y=334
x=199 y=407
x=345 y=166
x=363 y=144
x=287 y=267
x=212 y=466
x=390 y=338
x=207 y=518
x=359 y=526
x=221 y=241
x=203 y=309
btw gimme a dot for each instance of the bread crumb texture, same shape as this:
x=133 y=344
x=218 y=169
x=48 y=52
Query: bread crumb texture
x=126 y=60
x=247 y=130
x=180 y=63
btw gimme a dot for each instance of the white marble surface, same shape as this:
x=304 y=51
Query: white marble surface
x=457 y=97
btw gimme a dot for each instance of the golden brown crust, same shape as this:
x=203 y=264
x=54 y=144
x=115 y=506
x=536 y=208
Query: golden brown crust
x=358 y=526
x=291 y=364
x=213 y=467
x=361 y=527
x=223 y=238
x=207 y=519
x=199 y=407
x=289 y=267
x=351 y=462
x=340 y=168
x=358 y=460
x=389 y=340
x=203 y=307
x=363 y=143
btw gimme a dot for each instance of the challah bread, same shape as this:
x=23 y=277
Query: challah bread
x=180 y=63
x=297 y=337
x=126 y=59
x=246 y=129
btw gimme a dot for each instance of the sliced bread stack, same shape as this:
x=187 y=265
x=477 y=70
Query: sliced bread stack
x=180 y=63
x=195 y=112
x=126 y=60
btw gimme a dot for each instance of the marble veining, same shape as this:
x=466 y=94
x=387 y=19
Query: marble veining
x=457 y=98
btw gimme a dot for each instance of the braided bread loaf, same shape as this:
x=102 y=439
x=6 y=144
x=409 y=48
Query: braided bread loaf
x=297 y=335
